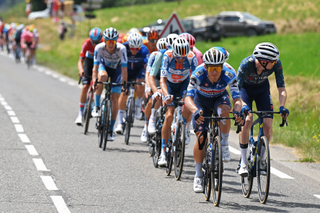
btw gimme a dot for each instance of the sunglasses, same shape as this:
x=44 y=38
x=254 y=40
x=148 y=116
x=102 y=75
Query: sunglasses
x=95 y=42
x=153 y=41
x=264 y=61
x=135 y=49
x=180 y=58
x=217 y=69
x=111 y=42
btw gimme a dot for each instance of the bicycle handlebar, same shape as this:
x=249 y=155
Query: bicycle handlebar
x=218 y=119
x=262 y=114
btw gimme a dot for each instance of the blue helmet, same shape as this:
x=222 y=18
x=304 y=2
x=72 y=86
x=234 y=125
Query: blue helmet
x=95 y=34
x=225 y=52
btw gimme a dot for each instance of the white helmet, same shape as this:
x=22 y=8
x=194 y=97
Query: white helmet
x=181 y=47
x=213 y=56
x=110 y=34
x=162 y=44
x=135 y=40
x=170 y=39
x=266 y=51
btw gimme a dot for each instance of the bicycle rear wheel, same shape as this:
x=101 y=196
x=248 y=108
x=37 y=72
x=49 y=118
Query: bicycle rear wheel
x=178 y=150
x=216 y=170
x=129 y=120
x=87 y=112
x=246 y=182
x=263 y=174
x=169 y=157
x=106 y=121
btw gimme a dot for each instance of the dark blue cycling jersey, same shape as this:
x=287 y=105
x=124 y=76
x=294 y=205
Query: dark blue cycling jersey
x=138 y=61
x=247 y=73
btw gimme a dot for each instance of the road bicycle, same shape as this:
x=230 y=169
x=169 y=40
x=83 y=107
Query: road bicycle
x=212 y=166
x=104 y=120
x=155 y=138
x=255 y=161
x=130 y=111
x=88 y=107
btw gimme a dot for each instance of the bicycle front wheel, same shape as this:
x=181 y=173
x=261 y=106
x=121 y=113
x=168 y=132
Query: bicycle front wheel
x=216 y=170
x=246 y=182
x=169 y=157
x=129 y=120
x=263 y=168
x=178 y=150
x=87 y=112
x=207 y=175
x=106 y=120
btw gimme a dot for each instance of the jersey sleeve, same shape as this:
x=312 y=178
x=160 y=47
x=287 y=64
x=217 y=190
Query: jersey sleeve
x=165 y=66
x=84 y=50
x=151 y=61
x=97 y=54
x=242 y=72
x=156 y=64
x=194 y=83
x=145 y=55
x=233 y=83
x=279 y=74
x=124 y=59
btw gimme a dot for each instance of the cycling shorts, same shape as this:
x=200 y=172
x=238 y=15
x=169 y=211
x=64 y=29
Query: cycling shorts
x=207 y=105
x=87 y=66
x=29 y=45
x=177 y=89
x=115 y=75
x=136 y=74
x=260 y=94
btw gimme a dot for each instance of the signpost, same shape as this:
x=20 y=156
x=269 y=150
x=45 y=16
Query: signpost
x=172 y=26
x=89 y=6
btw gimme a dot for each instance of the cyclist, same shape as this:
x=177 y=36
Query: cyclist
x=152 y=39
x=206 y=91
x=28 y=41
x=2 y=24
x=153 y=87
x=110 y=60
x=175 y=71
x=137 y=54
x=254 y=85
x=85 y=66
x=192 y=42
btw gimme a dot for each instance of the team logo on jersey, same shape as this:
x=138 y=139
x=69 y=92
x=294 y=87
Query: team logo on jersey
x=199 y=73
x=190 y=54
x=169 y=54
x=229 y=74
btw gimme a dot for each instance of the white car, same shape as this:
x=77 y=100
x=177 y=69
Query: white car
x=39 y=14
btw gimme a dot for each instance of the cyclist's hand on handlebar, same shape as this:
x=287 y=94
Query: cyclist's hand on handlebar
x=244 y=108
x=287 y=111
x=198 y=117
x=168 y=99
x=238 y=117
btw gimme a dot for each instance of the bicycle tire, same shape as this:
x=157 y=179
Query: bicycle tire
x=216 y=173
x=87 y=112
x=178 y=151
x=247 y=182
x=263 y=185
x=100 y=132
x=156 y=153
x=102 y=122
x=207 y=176
x=169 y=158
x=129 y=120
x=106 y=124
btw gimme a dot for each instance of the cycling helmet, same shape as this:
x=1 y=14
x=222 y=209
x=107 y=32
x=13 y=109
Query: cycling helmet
x=225 y=53
x=110 y=34
x=170 y=39
x=189 y=38
x=213 y=56
x=153 y=34
x=31 y=27
x=161 y=44
x=181 y=47
x=266 y=51
x=95 y=34
x=135 y=40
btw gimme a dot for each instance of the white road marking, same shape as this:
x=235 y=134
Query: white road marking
x=39 y=164
x=24 y=138
x=60 y=204
x=1 y=99
x=234 y=151
x=7 y=107
x=15 y=120
x=280 y=174
x=55 y=75
x=49 y=183
x=72 y=83
x=19 y=128
x=317 y=196
x=4 y=103
x=11 y=113
x=31 y=150
x=48 y=72
x=62 y=79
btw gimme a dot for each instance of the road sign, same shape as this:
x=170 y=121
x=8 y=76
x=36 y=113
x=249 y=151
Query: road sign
x=172 y=26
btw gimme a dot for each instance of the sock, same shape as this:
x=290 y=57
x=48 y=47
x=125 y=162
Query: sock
x=138 y=102
x=97 y=100
x=184 y=120
x=121 y=114
x=81 y=108
x=146 y=121
x=153 y=113
x=164 y=145
x=224 y=140
x=112 y=125
x=243 y=150
x=199 y=170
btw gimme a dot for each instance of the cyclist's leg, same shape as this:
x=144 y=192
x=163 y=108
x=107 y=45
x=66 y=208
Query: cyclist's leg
x=102 y=77
x=152 y=123
x=88 y=66
x=139 y=76
x=186 y=114
x=222 y=106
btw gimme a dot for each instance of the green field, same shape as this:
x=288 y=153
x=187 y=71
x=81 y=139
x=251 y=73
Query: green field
x=298 y=39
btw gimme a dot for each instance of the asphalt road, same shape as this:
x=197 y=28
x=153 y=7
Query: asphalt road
x=48 y=165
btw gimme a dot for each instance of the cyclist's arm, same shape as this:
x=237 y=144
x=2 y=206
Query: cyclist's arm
x=191 y=93
x=190 y=104
x=156 y=65
x=146 y=79
x=163 y=85
x=124 y=71
x=96 y=62
x=152 y=84
x=80 y=66
x=282 y=95
x=95 y=73
x=124 y=65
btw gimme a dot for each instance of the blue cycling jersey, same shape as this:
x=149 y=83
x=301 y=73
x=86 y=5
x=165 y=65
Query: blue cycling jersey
x=138 y=61
x=174 y=72
x=202 y=87
x=247 y=73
